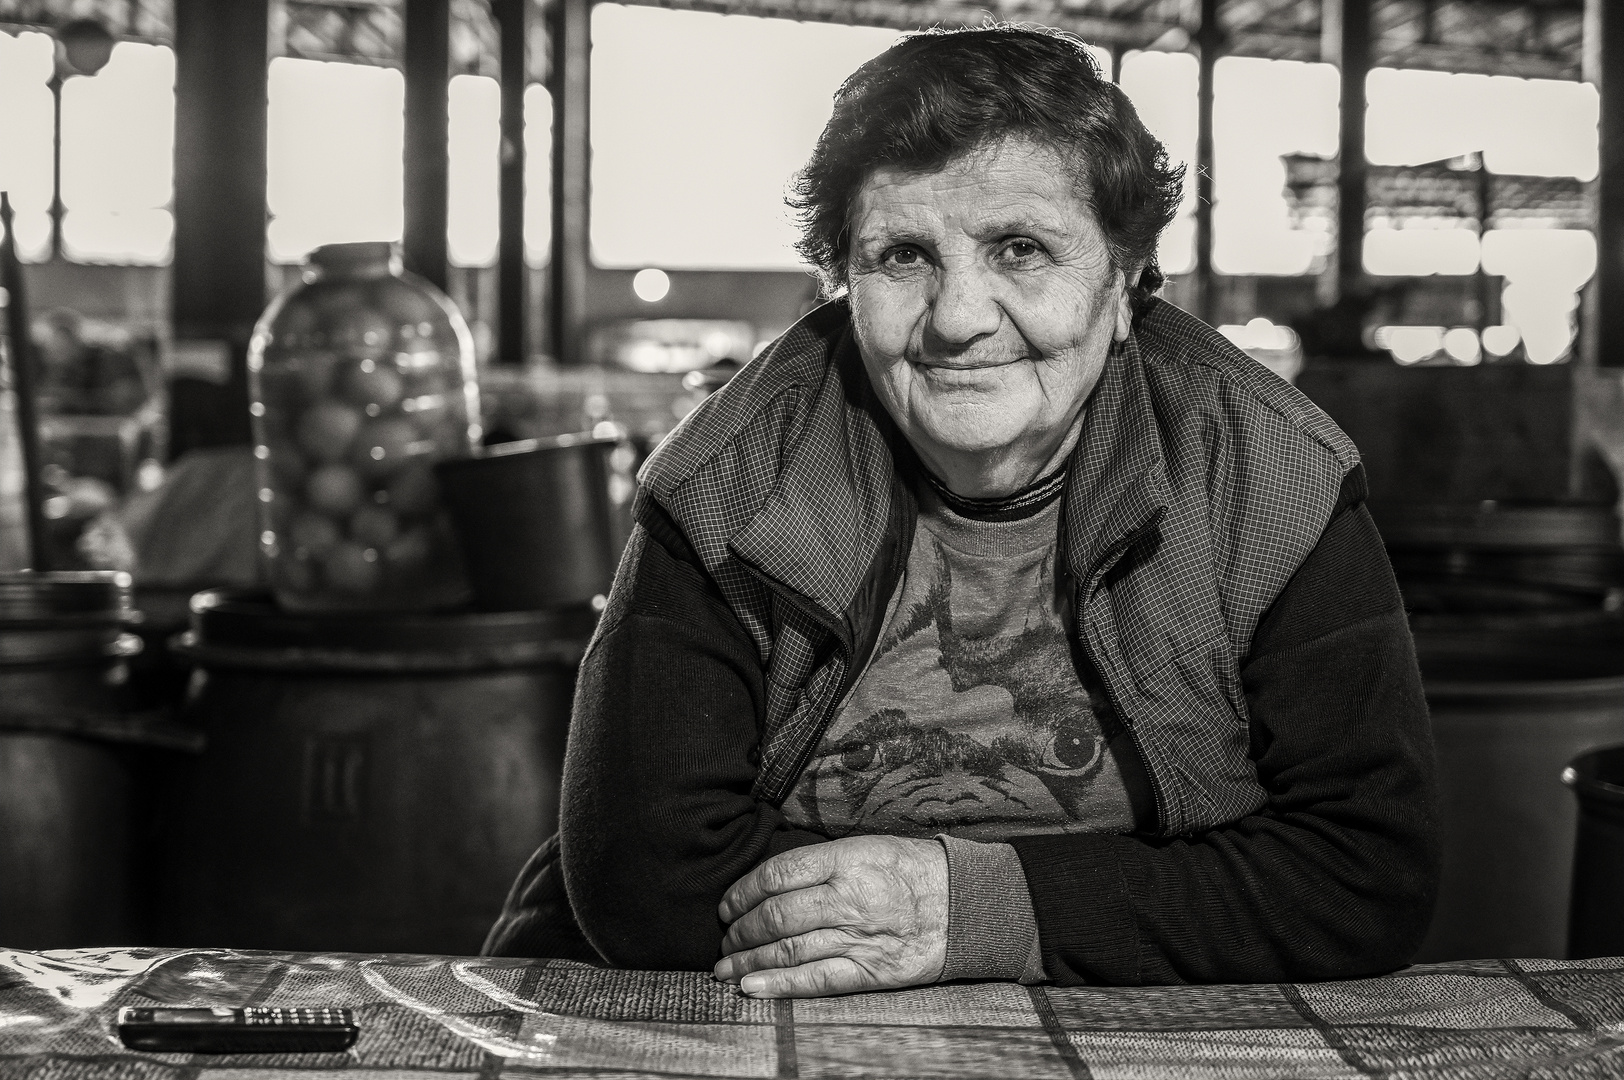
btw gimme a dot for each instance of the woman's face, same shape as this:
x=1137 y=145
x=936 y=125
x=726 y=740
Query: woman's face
x=984 y=304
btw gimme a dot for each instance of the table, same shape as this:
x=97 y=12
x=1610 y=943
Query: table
x=447 y=1017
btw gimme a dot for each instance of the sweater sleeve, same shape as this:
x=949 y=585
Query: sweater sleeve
x=656 y=817
x=1335 y=876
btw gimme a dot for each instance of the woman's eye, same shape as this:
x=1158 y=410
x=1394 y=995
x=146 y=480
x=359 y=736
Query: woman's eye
x=1021 y=250
x=902 y=256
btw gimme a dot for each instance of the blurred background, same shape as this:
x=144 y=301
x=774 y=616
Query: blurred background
x=1412 y=209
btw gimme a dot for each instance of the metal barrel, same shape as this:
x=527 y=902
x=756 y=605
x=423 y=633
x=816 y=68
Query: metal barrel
x=68 y=789
x=369 y=783
x=1514 y=699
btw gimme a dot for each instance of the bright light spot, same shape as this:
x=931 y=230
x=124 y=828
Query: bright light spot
x=1260 y=333
x=473 y=145
x=1263 y=109
x=1462 y=346
x=538 y=174
x=1263 y=334
x=334 y=171
x=1418 y=252
x=698 y=122
x=1533 y=126
x=1162 y=87
x=1275 y=347
x=1410 y=344
x=1544 y=270
x=1500 y=340
x=1565 y=258
x=651 y=285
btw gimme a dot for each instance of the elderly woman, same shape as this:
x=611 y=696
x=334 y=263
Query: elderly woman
x=1001 y=620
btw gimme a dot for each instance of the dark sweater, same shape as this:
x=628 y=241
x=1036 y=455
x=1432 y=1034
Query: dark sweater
x=1333 y=878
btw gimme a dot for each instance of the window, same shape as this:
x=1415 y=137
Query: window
x=538 y=174
x=698 y=123
x=118 y=149
x=26 y=63
x=1261 y=110
x=474 y=141
x=333 y=169
x=1522 y=126
x=1163 y=88
x=118 y=158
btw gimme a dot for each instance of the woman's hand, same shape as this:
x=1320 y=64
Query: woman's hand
x=860 y=913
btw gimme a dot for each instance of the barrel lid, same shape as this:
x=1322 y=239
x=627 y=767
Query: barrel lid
x=243 y=628
x=1504 y=524
x=1506 y=660
x=518 y=451
x=30 y=597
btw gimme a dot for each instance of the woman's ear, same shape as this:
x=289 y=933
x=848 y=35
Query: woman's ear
x=1124 y=312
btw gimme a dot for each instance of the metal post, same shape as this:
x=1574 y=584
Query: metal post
x=1346 y=43
x=1603 y=342
x=218 y=275
x=1209 y=41
x=24 y=389
x=511 y=347
x=57 y=207
x=568 y=78
x=428 y=80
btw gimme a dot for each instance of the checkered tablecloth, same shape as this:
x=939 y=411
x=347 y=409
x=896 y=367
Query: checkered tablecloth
x=447 y=1017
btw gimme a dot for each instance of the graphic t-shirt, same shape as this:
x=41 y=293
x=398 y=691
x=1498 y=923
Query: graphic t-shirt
x=975 y=716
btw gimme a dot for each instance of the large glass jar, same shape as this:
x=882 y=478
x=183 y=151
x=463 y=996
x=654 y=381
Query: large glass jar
x=362 y=378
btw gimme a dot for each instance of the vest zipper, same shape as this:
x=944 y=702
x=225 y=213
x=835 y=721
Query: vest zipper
x=845 y=640
x=1079 y=608
x=843 y=645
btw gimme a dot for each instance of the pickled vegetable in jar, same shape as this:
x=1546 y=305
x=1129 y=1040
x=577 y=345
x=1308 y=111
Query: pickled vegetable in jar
x=362 y=378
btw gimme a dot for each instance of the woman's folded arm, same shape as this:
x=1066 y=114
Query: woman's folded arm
x=656 y=817
x=1335 y=876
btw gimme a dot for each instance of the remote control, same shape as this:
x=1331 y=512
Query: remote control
x=237 y=1031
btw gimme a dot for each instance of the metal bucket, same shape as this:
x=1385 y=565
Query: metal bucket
x=370 y=784
x=1513 y=700
x=534 y=521
x=69 y=758
x=1596 y=922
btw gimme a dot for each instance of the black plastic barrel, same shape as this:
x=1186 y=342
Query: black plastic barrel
x=74 y=763
x=1596 y=922
x=370 y=783
x=1513 y=700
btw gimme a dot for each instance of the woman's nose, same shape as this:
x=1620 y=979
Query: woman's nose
x=964 y=307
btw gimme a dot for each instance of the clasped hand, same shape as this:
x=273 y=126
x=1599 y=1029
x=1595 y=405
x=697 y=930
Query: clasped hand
x=859 y=913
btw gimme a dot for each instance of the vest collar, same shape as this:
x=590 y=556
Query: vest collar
x=1117 y=485
x=819 y=529
x=817 y=533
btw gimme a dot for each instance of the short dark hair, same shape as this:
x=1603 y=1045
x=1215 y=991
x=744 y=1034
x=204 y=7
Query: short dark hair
x=939 y=94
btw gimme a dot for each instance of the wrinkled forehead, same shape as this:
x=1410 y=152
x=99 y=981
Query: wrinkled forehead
x=1004 y=185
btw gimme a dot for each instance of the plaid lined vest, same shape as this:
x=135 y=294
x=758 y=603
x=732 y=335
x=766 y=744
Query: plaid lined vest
x=1199 y=485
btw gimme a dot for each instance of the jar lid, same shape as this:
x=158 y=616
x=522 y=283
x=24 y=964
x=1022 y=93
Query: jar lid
x=30 y=596
x=352 y=255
